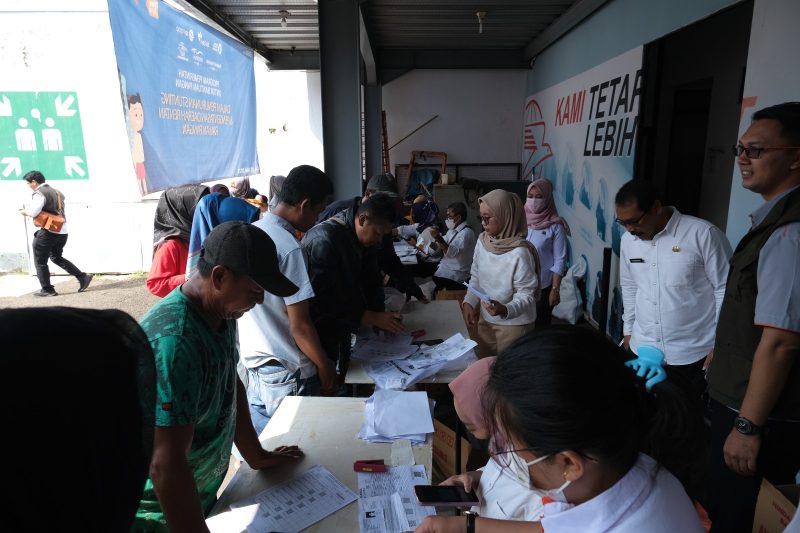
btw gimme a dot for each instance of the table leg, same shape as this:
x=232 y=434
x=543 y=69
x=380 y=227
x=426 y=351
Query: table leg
x=459 y=434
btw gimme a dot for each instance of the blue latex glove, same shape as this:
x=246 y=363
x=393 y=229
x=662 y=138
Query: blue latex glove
x=648 y=365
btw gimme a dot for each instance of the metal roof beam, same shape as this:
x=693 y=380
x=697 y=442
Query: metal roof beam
x=563 y=25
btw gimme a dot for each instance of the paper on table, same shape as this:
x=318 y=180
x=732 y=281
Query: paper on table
x=400 y=374
x=368 y=433
x=383 y=348
x=477 y=292
x=297 y=503
x=402 y=413
x=388 y=500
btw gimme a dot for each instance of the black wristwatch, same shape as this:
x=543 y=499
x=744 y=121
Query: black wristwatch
x=745 y=426
x=471 y=517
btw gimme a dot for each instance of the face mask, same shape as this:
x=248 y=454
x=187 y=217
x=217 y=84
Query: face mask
x=450 y=223
x=520 y=472
x=537 y=205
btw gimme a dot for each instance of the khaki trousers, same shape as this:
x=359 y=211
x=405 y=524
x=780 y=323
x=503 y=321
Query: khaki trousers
x=493 y=338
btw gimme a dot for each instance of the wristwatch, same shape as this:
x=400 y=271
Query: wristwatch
x=745 y=426
x=471 y=517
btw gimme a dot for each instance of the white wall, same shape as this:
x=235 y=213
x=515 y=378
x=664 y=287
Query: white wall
x=289 y=120
x=773 y=76
x=50 y=45
x=71 y=50
x=480 y=114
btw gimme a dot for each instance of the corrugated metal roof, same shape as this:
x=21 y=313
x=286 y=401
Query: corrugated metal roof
x=414 y=26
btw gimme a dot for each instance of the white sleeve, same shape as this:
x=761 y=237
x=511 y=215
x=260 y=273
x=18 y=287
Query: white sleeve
x=628 y=286
x=525 y=284
x=716 y=256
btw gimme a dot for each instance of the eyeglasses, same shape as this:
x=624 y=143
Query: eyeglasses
x=630 y=222
x=484 y=219
x=505 y=457
x=753 y=152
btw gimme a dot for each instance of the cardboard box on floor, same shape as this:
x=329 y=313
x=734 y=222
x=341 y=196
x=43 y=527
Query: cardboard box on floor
x=775 y=507
x=444 y=449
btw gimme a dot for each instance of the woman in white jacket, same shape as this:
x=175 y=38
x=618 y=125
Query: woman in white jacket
x=505 y=271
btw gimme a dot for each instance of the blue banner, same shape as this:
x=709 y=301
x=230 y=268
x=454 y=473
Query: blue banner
x=188 y=93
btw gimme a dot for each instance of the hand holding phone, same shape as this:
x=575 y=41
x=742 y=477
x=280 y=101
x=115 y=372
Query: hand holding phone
x=445 y=496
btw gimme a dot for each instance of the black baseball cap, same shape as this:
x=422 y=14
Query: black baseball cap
x=246 y=249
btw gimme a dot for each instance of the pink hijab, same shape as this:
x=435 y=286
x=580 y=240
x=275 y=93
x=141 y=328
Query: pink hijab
x=548 y=215
x=468 y=390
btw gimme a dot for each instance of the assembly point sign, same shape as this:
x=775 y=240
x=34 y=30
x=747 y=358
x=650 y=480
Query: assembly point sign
x=41 y=131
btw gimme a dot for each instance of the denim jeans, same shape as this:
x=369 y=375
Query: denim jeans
x=269 y=384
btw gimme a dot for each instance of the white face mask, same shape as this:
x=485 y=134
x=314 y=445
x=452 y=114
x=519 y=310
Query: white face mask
x=450 y=223
x=537 y=205
x=519 y=470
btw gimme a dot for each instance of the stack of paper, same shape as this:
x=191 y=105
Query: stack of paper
x=390 y=415
x=399 y=374
x=387 y=503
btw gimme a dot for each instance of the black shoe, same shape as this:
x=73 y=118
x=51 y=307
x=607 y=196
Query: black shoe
x=85 y=281
x=43 y=292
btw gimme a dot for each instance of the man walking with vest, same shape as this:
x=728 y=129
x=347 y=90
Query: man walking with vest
x=48 y=243
x=754 y=377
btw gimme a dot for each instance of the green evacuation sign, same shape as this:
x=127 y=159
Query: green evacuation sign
x=41 y=131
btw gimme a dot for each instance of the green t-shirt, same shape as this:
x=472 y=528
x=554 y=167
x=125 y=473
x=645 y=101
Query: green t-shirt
x=196 y=373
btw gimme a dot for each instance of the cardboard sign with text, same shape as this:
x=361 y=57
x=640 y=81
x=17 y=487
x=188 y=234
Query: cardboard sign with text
x=775 y=508
x=444 y=449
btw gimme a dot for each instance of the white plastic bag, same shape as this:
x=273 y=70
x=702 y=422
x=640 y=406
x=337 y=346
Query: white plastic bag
x=570 y=306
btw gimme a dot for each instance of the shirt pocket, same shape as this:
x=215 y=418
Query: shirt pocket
x=678 y=271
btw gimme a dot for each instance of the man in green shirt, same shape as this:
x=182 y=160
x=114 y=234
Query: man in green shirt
x=201 y=405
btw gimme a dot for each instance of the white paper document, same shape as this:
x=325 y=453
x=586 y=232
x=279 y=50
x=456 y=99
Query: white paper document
x=293 y=505
x=401 y=373
x=387 y=503
x=370 y=434
x=402 y=413
x=384 y=348
x=477 y=292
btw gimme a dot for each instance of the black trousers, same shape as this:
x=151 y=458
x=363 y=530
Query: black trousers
x=544 y=312
x=448 y=284
x=47 y=245
x=731 y=497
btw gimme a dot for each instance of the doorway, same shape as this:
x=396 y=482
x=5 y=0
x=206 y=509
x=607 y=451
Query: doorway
x=692 y=93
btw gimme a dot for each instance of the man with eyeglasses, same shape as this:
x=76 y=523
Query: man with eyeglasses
x=672 y=274
x=754 y=378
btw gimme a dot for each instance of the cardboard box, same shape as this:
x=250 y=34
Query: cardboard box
x=775 y=507
x=444 y=449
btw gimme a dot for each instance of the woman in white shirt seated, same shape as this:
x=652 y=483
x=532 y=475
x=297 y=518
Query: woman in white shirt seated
x=500 y=495
x=586 y=435
x=425 y=219
x=505 y=269
x=548 y=232
x=455 y=249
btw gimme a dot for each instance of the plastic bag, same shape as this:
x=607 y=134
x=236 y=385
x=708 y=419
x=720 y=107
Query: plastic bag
x=570 y=307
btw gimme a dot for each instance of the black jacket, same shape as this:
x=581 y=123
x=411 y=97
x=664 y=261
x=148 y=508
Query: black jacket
x=387 y=257
x=345 y=276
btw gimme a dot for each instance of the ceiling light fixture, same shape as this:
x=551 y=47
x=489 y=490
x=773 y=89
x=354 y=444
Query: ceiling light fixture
x=283 y=13
x=481 y=15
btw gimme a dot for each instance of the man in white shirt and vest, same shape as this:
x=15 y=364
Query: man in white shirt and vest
x=673 y=269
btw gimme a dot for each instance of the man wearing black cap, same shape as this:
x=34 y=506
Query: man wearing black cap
x=201 y=406
x=387 y=257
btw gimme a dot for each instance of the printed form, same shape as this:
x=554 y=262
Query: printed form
x=387 y=503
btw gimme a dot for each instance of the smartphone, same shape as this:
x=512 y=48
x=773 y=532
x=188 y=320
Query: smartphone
x=445 y=496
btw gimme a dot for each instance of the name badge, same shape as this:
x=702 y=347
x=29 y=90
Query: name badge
x=637 y=260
